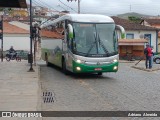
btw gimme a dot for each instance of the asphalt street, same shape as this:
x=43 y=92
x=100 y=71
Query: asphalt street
x=127 y=90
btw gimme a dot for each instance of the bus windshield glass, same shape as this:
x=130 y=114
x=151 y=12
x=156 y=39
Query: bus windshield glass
x=94 y=40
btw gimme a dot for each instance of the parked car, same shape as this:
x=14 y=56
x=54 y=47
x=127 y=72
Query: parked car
x=156 y=59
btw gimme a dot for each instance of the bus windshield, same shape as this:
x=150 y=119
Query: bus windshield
x=95 y=40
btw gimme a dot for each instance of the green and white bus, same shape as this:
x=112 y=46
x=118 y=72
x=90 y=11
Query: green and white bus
x=81 y=43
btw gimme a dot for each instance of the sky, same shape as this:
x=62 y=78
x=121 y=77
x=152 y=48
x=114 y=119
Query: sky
x=106 y=7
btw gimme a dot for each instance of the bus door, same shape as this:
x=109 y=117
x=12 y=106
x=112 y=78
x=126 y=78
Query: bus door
x=69 y=55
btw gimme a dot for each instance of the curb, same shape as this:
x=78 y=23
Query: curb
x=126 y=61
x=39 y=92
x=148 y=70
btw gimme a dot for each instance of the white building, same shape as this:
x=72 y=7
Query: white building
x=16 y=35
x=137 y=36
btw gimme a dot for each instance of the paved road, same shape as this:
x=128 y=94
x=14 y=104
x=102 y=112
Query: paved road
x=127 y=90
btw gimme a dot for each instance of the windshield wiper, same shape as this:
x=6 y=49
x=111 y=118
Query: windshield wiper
x=91 y=46
x=103 y=46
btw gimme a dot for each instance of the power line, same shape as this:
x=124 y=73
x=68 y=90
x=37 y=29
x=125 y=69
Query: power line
x=43 y=4
x=68 y=6
x=48 y=5
x=62 y=7
x=37 y=4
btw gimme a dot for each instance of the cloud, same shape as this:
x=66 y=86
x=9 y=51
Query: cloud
x=108 y=7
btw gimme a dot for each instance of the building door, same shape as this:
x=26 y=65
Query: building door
x=125 y=52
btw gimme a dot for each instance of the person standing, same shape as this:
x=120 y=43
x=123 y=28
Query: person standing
x=148 y=53
x=152 y=56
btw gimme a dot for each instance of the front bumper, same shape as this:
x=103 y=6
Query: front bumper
x=85 y=68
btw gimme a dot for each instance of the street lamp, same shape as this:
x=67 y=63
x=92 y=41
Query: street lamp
x=31 y=37
x=78 y=5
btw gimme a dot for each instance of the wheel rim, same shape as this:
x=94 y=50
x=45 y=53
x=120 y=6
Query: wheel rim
x=157 y=60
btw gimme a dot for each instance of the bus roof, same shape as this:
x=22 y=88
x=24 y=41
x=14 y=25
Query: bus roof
x=91 y=18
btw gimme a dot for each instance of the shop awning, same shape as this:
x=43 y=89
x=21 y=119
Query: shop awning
x=13 y=3
x=132 y=41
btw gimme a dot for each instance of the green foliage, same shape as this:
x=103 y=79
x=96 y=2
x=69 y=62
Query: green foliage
x=134 y=19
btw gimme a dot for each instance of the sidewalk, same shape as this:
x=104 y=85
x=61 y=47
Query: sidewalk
x=141 y=65
x=18 y=87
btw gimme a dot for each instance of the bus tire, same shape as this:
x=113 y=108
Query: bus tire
x=46 y=59
x=65 y=71
x=99 y=73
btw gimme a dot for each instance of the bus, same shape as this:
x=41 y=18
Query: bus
x=81 y=43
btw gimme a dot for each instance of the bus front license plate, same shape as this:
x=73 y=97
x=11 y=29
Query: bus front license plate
x=98 y=69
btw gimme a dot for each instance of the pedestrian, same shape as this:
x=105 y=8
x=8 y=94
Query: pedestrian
x=152 y=56
x=148 y=54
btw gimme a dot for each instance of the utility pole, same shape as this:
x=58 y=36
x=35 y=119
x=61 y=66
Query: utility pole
x=30 y=57
x=35 y=37
x=78 y=5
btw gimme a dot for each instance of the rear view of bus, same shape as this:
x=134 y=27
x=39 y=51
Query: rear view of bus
x=90 y=44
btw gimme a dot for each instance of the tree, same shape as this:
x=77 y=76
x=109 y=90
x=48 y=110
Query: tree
x=134 y=19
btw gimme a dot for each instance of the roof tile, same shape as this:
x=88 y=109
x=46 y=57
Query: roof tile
x=128 y=25
x=153 y=21
x=50 y=34
x=11 y=29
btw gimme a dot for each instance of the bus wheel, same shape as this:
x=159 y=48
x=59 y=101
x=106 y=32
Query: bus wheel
x=46 y=59
x=99 y=73
x=65 y=71
x=48 y=63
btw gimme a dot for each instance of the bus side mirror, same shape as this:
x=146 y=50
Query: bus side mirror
x=70 y=30
x=118 y=27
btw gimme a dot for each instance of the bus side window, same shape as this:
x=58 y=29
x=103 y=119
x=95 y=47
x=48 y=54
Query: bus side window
x=116 y=40
x=68 y=39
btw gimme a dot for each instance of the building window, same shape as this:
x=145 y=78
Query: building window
x=148 y=38
x=130 y=36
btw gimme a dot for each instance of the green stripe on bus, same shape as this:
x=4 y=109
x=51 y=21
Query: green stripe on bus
x=91 y=68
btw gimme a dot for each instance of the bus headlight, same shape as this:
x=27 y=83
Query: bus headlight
x=79 y=61
x=115 y=67
x=78 y=68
